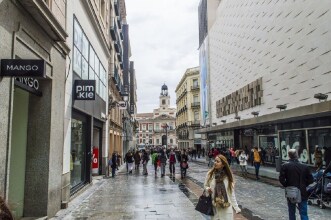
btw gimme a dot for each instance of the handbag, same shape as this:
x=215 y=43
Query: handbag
x=205 y=205
x=293 y=194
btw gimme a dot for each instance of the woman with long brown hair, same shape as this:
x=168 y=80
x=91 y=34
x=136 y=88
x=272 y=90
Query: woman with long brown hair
x=219 y=184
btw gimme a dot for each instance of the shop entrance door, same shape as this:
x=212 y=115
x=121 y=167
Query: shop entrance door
x=18 y=152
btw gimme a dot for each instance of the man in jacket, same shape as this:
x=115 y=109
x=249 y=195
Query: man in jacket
x=299 y=175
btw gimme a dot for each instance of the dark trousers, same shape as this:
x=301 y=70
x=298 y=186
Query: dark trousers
x=172 y=167
x=257 y=169
x=113 y=169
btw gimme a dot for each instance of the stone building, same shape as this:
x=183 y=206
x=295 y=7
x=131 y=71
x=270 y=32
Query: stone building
x=58 y=127
x=265 y=75
x=158 y=128
x=188 y=110
x=32 y=108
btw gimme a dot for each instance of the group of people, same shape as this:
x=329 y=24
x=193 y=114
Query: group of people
x=240 y=156
x=219 y=182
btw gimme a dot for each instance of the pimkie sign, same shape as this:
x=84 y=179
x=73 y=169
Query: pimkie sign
x=84 y=90
x=23 y=68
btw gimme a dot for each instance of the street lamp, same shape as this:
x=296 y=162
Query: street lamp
x=321 y=96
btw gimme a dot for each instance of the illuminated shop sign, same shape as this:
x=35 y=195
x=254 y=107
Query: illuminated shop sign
x=23 y=68
x=84 y=90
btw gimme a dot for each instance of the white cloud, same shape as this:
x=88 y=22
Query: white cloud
x=164 y=43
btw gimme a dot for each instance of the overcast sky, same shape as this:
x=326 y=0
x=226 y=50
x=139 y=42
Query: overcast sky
x=164 y=43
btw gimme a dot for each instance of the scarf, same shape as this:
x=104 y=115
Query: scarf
x=221 y=197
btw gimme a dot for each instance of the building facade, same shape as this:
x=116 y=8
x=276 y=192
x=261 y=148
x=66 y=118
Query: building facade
x=32 y=109
x=266 y=73
x=188 y=110
x=58 y=129
x=158 y=128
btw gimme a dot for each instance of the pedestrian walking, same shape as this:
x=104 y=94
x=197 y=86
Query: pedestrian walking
x=145 y=159
x=298 y=175
x=318 y=158
x=243 y=163
x=219 y=184
x=163 y=160
x=257 y=160
x=129 y=161
x=210 y=157
x=155 y=159
x=5 y=213
x=183 y=164
x=113 y=164
x=137 y=160
x=172 y=162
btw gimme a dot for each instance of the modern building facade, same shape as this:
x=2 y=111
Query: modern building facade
x=158 y=128
x=188 y=110
x=265 y=67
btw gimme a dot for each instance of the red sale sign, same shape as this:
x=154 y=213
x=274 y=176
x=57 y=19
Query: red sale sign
x=95 y=158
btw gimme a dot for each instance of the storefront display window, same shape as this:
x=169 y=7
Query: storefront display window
x=320 y=138
x=269 y=147
x=295 y=139
x=78 y=149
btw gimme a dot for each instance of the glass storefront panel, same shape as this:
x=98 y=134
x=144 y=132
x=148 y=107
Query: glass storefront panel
x=295 y=139
x=269 y=147
x=78 y=149
x=318 y=137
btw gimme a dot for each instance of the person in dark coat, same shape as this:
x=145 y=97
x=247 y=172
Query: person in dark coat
x=183 y=164
x=113 y=164
x=327 y=159
x=294 y=173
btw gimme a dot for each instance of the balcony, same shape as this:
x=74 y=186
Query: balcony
x=195 y=105
x=195 y=87
x=116 y=76
x=195 y=123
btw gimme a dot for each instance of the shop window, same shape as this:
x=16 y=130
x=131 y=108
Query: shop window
x=78 y=152
x=318 y=138
x=86 y=63
x=269 y=147
x=294 y=140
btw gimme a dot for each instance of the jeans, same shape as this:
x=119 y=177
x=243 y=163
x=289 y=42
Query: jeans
x=113 y=170
x=145 y=168
x=302 y=210
x=163 y=169
x=172 y=167
x=257 y=168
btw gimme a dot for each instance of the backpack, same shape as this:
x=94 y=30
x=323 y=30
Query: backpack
x=172 y=158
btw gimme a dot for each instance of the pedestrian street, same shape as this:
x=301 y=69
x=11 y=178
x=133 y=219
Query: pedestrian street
x=148 y=197
x=259 y=200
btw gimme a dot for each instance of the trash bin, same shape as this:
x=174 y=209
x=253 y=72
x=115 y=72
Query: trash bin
x=277 y=160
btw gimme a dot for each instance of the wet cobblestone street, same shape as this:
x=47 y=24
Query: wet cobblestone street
x=145 y=197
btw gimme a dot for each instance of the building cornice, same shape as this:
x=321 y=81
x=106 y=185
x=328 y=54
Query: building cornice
x=314 y=110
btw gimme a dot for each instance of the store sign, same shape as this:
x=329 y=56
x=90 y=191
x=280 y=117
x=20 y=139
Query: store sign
x=122 y=105
x=95 y=160
x=29 y=84
x=23 y=68
x=84 y=90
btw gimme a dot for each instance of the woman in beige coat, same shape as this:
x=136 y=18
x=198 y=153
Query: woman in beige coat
x=220 y=185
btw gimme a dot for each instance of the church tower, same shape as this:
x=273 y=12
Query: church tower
x=164 y=97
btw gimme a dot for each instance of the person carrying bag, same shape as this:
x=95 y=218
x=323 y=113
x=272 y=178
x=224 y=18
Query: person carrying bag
x=219 y=184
